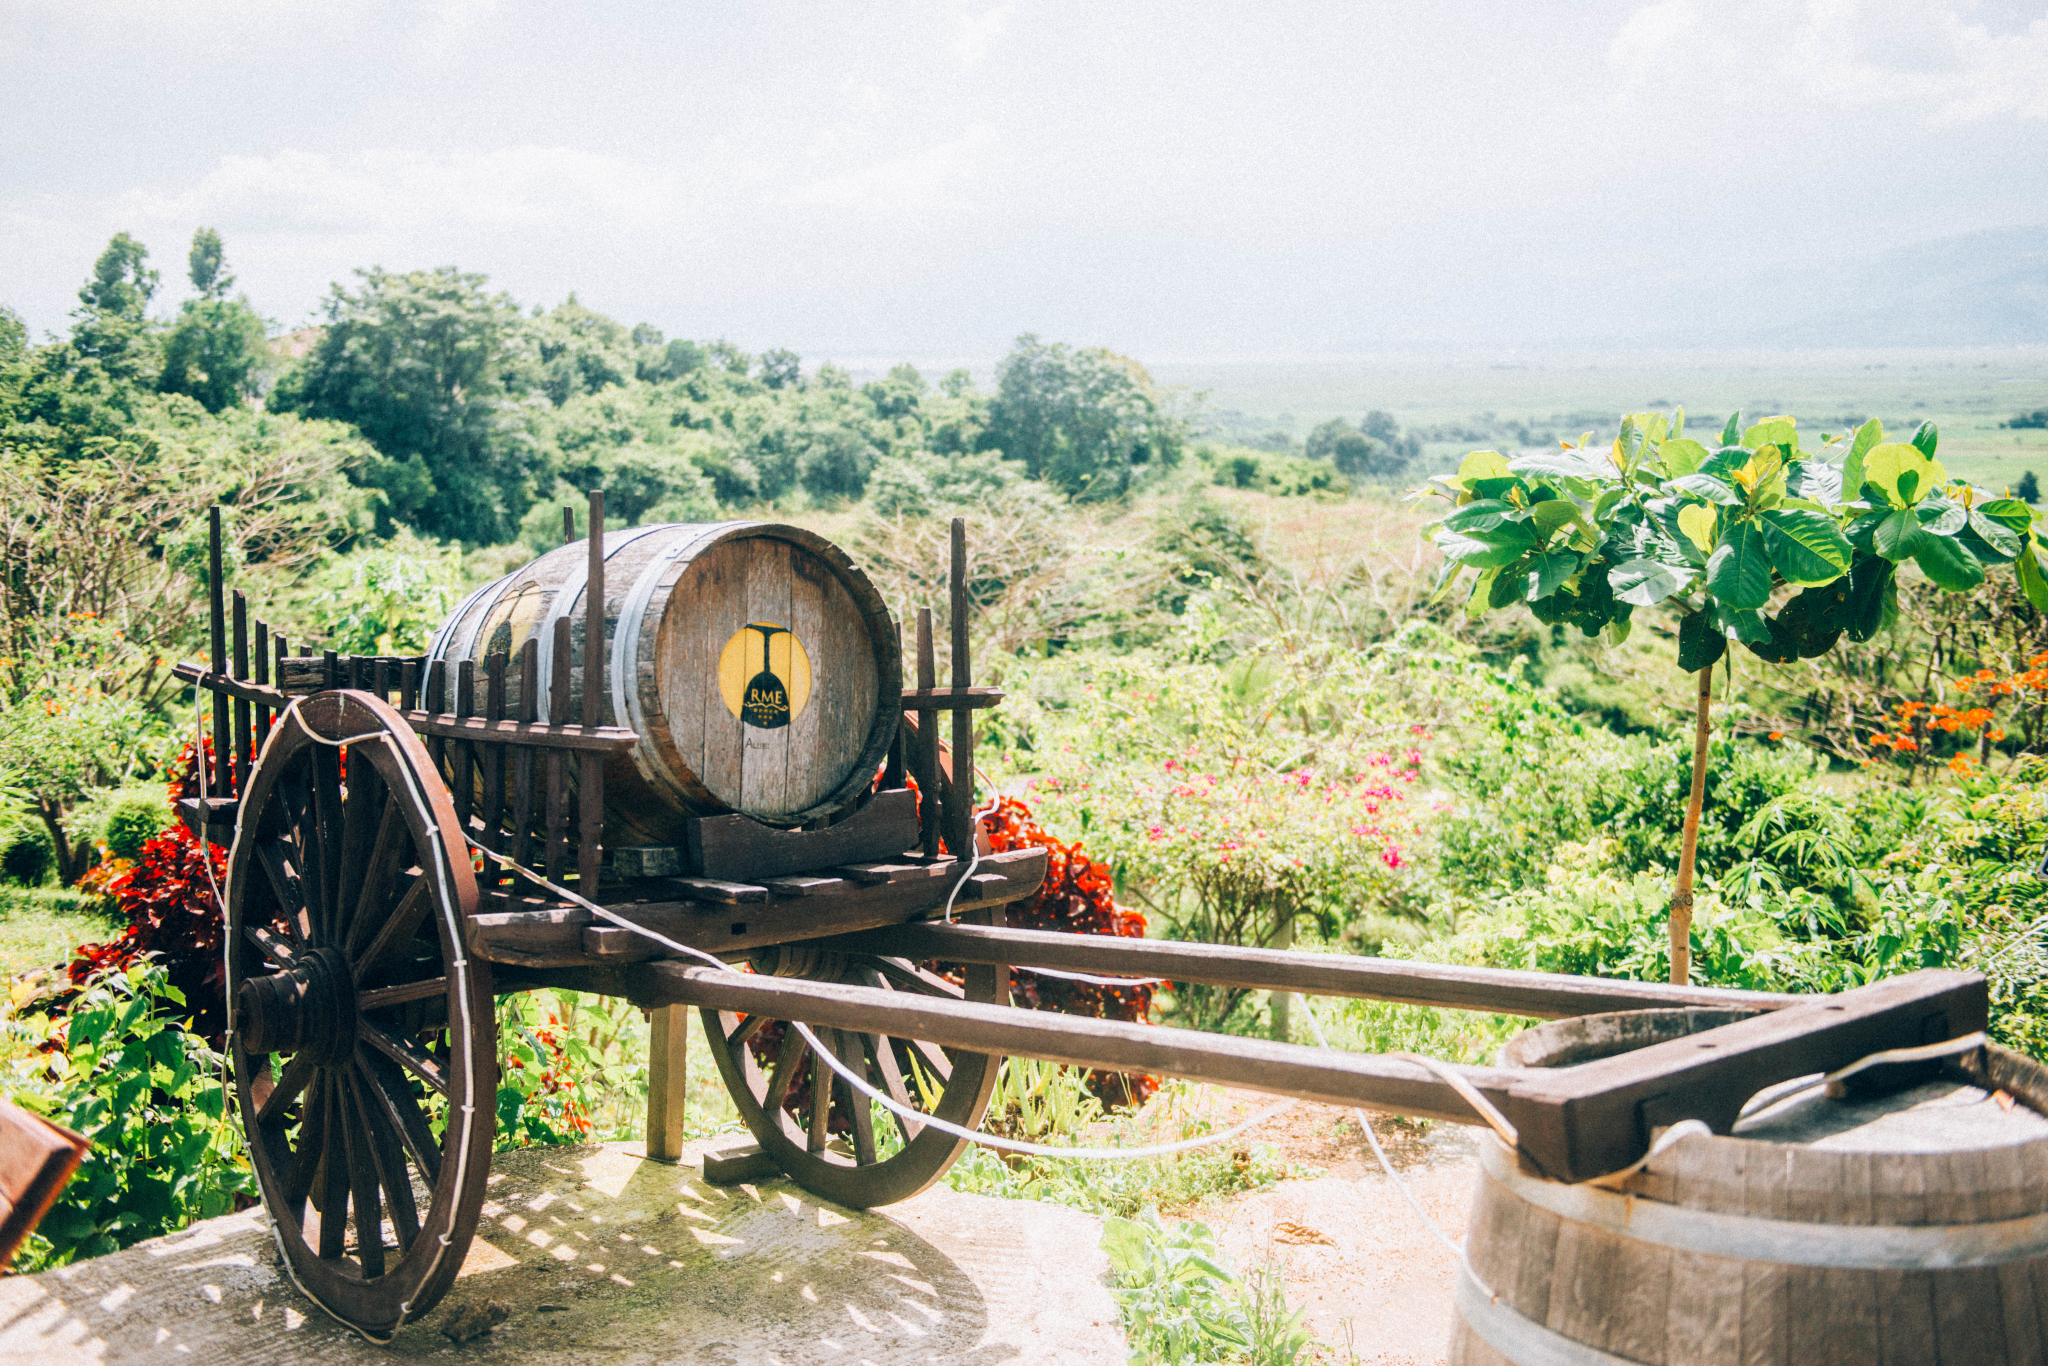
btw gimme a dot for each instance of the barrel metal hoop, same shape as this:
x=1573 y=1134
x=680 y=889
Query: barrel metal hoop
x=1786 y=1242
x=632 y=614
x=1517 y=1337
x=573 y=584
x=437 y=647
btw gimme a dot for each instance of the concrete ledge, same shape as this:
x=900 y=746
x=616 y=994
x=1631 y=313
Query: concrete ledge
x=606 y=1256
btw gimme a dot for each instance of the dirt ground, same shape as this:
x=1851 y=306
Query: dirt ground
x=1350 y=1248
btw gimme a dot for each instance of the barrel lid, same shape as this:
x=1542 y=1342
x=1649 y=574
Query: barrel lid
x=1940 y=1116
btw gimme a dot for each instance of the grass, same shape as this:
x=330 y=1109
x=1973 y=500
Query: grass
x=40 y=926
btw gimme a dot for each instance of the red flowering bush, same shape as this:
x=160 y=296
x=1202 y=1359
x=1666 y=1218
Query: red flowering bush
x=174 y=916
x=1075 y=898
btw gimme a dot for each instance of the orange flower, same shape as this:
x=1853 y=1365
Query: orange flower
x=1996 y=735
x=1777 y=735
x=1881 y=740
x=1961 y=765
x=1905 y=742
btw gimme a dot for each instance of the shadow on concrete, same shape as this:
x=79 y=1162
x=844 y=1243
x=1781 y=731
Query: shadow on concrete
x=604 y=1256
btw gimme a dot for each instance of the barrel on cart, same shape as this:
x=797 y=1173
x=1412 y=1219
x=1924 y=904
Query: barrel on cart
x=661 y=754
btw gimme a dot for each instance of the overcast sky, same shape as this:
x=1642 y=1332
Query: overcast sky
x=930 y=179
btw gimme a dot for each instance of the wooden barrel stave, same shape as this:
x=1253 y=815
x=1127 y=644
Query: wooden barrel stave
x=1907 y=1228
x=679 y=593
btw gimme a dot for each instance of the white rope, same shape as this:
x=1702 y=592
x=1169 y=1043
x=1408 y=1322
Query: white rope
x=890 y=1103
x=1092 y=980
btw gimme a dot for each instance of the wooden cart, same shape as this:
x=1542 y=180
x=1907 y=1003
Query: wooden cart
x=404 y=831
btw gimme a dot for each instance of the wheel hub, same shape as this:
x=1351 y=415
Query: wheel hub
x=309 y=1009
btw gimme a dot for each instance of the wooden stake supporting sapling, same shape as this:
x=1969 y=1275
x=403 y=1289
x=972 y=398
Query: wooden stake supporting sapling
x=1584 y=536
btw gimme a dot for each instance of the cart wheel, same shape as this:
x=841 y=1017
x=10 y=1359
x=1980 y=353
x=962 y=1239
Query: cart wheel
x=815 y=1127
x=363 y=1038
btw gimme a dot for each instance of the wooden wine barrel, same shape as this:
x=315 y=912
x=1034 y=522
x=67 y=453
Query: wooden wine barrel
x=1911 y=1227
x=756 y=662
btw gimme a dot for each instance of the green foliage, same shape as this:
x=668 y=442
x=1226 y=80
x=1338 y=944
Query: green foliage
x=215 y=353
x=149 y=1097
x=1180 y=1303
x=111 y=326
x=386 y=599
x=1089 y=422
x=430 y=367
x=27 y=855
x=123 y=819
x=1053 y=1107
x=1586 y=536
x=1279 y=474
x=2028 y=489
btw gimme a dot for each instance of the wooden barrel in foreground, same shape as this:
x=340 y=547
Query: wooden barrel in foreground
x=1906 y=1228
x=757 y=663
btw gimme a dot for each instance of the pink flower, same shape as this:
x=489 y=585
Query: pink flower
x=1154 y=833
x=1392 y=858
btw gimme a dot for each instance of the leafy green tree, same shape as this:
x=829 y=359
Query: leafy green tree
x=208 y=266
x=1585 y=537
x=836 y=462
x=1088 y=421
x=430 y=366
x=13 y=336
x=581 y=351
x=112 y=327
x=2028 y=490
x=217 y=348
x=782 y=369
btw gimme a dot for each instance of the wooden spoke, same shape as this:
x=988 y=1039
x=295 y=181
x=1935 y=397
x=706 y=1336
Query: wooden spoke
x=393 y=1094
x=793 y=1050
x=361 y=820
x=387 y=1154
x=327 y=809
x=376 y=998
x=271 y=946
x=388 y=856
x=362 y=1181
x=270 y=1106
x=931 y=1058
x=904 y=977
x=884 y=1053
x=746 y=1029
x=426 y=1068
x=304 y=850
x=306 y=1161
x=399 y=930
x=333 y=1183
x=819 y=1131
x=859 y=1107
x=286 y=887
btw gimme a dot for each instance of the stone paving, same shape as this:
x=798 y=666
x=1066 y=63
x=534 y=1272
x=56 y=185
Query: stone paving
x=606 y=1257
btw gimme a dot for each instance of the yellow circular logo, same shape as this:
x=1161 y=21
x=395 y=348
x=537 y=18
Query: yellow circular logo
x=764 y=675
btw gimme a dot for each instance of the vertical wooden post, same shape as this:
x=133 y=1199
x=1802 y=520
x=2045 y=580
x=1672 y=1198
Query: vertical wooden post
x=568 y=525
x=667 y=1069
x=590 y=777
x=960 y=811
x=461 y=752
x=892 y=768
x=331 y=663
x=223 y=746
x=557 y=793
x=262 y=662
x=491 y=759
x=243 y=738
x=409 y=685
x=522 y=755
x=927 y=757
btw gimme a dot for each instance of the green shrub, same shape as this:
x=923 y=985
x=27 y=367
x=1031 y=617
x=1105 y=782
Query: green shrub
x=150 y=1099
x=26 y=855
x=1180 y=1303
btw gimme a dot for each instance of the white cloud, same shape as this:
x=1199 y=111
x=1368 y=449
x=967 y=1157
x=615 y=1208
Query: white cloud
x=918 y=182
x=387 y=191
x=1847 y=53
x=974 y=35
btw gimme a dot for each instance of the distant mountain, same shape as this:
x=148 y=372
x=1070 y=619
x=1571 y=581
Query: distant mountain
x=1981 y=289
